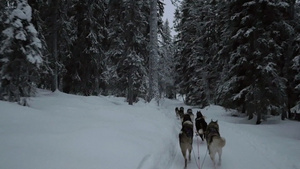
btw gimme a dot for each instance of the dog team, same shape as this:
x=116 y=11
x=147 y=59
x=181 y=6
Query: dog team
x=210 y=133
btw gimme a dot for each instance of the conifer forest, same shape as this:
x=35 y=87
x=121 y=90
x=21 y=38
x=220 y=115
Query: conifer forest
x=240 y=54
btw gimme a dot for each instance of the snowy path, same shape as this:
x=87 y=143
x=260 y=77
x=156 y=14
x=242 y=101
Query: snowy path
x=63 y=131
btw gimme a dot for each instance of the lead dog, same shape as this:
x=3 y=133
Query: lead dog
x=214 y=141
x=186 y=138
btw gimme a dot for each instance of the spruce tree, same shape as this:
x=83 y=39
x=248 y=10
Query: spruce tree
x=127 y=52
x=254 y=79
x=20 y=53
x=165 y=64
x=85 y=66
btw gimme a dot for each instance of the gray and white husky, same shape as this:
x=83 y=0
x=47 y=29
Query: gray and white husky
x=186 y=139
x=190 y=112
x=214 y=141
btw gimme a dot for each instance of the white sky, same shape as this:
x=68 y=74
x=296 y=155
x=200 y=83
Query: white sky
x=169 y=14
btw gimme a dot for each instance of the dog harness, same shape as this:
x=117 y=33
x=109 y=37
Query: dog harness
x=212 y=131
x=188 y=132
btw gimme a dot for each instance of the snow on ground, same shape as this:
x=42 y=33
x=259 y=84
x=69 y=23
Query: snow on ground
x=62 y=131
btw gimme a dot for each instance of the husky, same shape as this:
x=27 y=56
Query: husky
x=177 y=112
x=181 y=113
x=214 y=141
x=185 y=118
x=190 y=112
x=186 y=139
x=200 y=125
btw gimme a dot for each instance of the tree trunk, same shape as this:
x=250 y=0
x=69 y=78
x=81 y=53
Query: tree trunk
x=130 y=88
x=54 y=43
x=258 y=120
x=153 y=49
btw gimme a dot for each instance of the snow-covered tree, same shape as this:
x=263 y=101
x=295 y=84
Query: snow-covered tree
x=293 y=66
x=38 y=8
x=116 y=45
x=127 y=53
x=57 y=28
x=236 y=53
x=198 y=42
x=85 y=66
x=166 y=64
x=20 y=53
x=254 y=82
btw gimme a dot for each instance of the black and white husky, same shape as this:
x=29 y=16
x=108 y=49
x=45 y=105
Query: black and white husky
x=200 y=125
x=214 y=141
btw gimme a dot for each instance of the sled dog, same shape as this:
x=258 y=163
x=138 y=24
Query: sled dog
x=190 y=112
x=177 y=112
x=200 y=125
x=185 y=118
x=181 y=113
x=214 y=141
x=186 y=139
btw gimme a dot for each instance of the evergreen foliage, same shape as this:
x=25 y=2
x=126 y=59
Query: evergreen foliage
x=244 y=49
x=165 y=64
x=241 y=54
x=20 y=53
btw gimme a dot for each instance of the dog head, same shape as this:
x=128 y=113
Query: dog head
x=213 y=125
x=187 y=128
x=199 y=114
x=186 y=117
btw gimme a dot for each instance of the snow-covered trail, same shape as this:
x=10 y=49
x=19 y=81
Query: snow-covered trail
x=248 y=146
x=66 y=131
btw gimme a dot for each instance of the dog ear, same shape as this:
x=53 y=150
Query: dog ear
x=214 y=121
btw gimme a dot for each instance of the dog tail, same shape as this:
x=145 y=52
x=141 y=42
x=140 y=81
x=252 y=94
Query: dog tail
x=222 y=141
x=200 y=131
x=219 y=141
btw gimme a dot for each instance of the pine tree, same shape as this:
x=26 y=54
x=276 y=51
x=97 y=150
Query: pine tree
x=254 y=79
x=165 y=64
x=127 y=55
x=38 y=6
x=183 y=43
x=196 y=38
x=2 y=15
x=57 y=27
x=20 y=53
x=116 y=46
x=85 y=66
x=293 y=65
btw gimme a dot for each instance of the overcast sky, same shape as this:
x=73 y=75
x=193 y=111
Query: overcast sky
x=169 y=14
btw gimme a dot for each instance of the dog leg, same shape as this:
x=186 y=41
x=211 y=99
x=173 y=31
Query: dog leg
x=190 y=150
x=220 y=156
x=184 y=156
x=201 y=135
x=212 y=156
